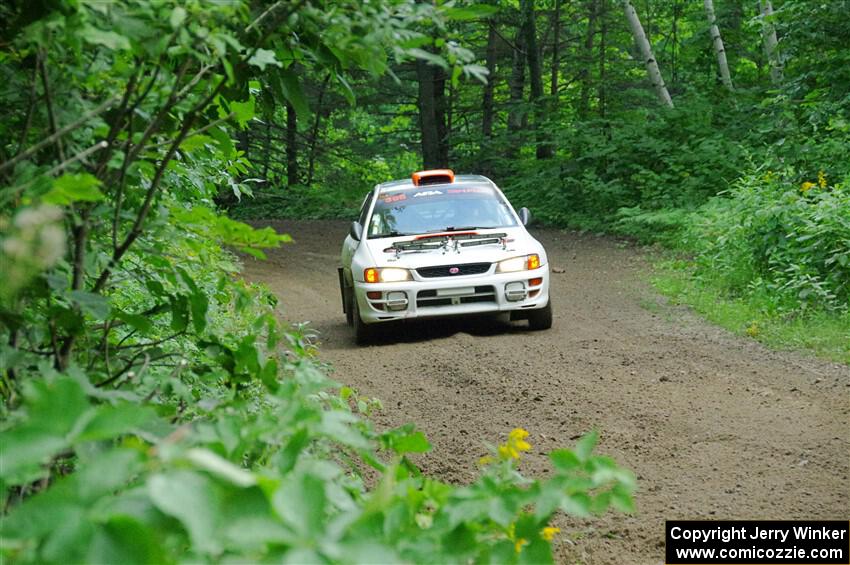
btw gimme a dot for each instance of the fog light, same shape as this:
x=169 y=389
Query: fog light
x=374 y=294
x=515 y=291
x=396 y=301
x=535 y=282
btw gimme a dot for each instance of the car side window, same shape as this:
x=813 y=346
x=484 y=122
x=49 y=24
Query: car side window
x=364 y=211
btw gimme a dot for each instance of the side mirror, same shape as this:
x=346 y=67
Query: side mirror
x=356 y=231
x=524 y=216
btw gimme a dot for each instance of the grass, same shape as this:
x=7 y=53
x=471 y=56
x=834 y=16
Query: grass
x=824 y=334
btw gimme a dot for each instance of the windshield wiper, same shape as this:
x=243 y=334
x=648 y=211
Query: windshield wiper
x=390 y=234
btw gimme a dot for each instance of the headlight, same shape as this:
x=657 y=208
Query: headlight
x=389 y=274
x=526 y=263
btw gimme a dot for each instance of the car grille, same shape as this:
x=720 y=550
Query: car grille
x=444 y=270
x=429 y=298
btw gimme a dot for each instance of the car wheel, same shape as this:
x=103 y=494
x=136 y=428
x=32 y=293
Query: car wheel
x=363 y=333
x=541 y=319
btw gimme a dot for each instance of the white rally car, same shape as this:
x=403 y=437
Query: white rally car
x=441 y=245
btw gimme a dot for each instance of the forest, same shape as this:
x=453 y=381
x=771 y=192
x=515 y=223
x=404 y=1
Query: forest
x=154 y=406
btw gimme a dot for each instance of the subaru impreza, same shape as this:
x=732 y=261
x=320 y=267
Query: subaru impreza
x=437 y=245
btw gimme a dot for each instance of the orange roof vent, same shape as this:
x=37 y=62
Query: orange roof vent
x=434 y=176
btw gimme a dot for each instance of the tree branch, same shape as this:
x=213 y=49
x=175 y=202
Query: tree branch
x=136 y=230
x=50 y=139
x=49 y=101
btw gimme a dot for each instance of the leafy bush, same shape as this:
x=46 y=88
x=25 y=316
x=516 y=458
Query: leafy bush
x=776 y=235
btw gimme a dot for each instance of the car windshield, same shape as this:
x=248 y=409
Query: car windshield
x=440 y=208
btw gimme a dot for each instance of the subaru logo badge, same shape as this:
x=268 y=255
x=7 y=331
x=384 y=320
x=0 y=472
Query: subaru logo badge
x=454 y=270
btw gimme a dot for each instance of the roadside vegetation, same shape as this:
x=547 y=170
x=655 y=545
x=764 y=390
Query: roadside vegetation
x=154 y=409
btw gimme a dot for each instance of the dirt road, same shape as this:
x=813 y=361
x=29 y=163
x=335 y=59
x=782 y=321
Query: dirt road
x=714 y=426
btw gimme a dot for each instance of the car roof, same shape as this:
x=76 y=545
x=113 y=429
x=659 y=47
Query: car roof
x=460 y=180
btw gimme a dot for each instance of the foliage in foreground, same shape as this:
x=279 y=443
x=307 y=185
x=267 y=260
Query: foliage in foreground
x=272 y=472
x=153 y=409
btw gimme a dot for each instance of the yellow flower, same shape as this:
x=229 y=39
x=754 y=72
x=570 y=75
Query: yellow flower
x=821 y=179
x=753 y=330
x=486 y=460
x=807 y=186
x=516 y=444
x=519 y=543
x=549 y=532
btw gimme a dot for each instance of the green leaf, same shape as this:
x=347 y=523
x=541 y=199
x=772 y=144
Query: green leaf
x=247 y=357
x=622 y=500
x=178 y=16
x=337 y=426
x=290 y=88
x=432 y=58
x=136 y=321
x=411 y=443
x=263 y=58
x=585 y=445
x=347 y=91
x=106 y=473
x=224 y=142
x=24 y=451
x=95 y=305
x=194 y=500
x=463 y=13
x=125 y=540
x=243 y=112
x=287 y=458
x=301 y=503
x=577 y=504
x=113 y=421
x=564 y=460
x=53 y=409
x=199 y=304
x=54 y=406
x=71 y=188
x=195 y=142
x=179 y=313
x=108 y=39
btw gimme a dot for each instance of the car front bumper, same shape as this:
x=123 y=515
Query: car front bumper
x=453 y=296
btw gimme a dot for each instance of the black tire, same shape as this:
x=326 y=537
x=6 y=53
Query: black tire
x=363 y=333
x=349 y=306
x=541 y=319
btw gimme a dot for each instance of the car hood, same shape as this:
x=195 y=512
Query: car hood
x=391 y=252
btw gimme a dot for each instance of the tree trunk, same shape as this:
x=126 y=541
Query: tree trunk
x=516 y=87
x=722 y=64
x=529 y=27
x=487 y=103
x=428 y=116
x=314 y=135
x=291 y=149
x=587 y=60
x=267 y=147
x=770 y=42
x=603 y=39
x=556 y=50
x=646 y=52
x=674 y=32
x=442 y=111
